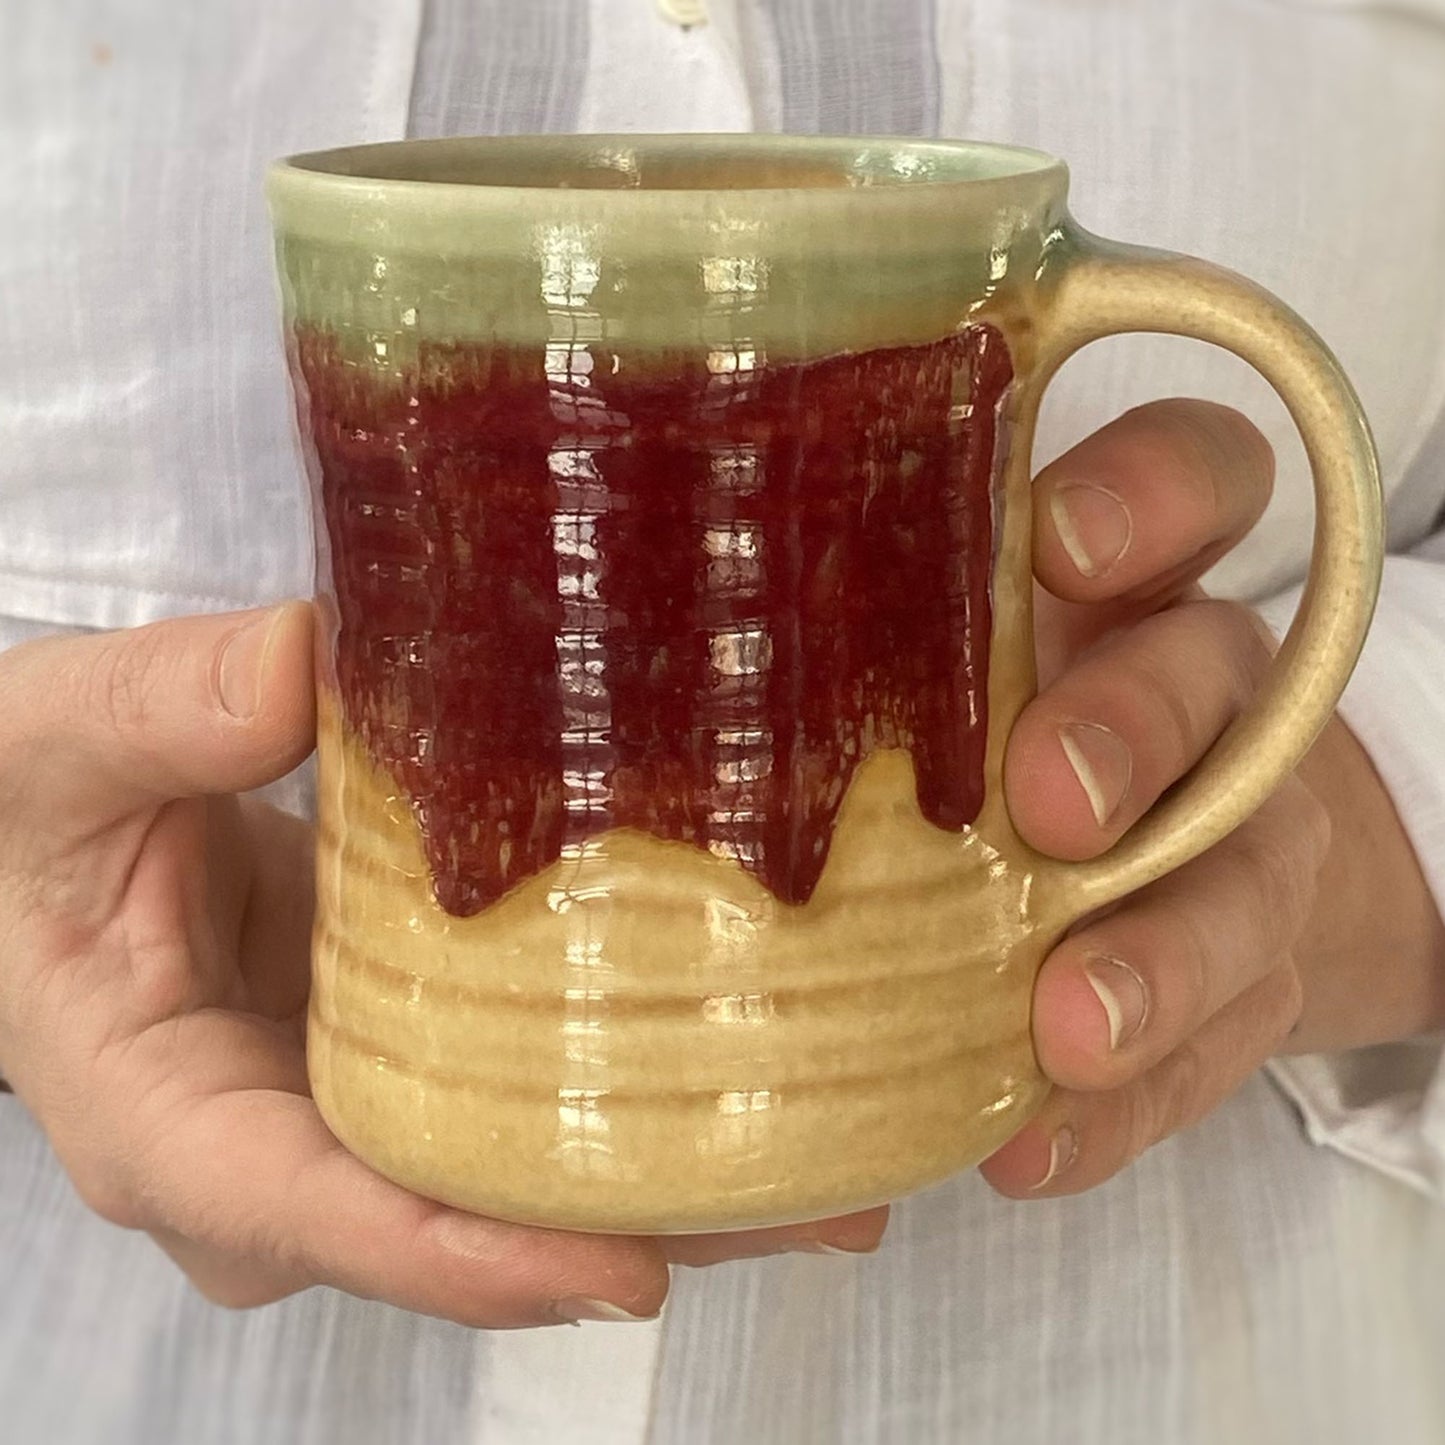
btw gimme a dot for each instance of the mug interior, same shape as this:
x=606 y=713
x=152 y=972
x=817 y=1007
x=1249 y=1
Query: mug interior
x=677 y=163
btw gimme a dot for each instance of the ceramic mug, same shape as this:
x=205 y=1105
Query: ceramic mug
x=673 y=524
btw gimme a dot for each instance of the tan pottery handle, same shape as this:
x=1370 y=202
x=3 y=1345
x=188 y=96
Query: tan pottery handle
x=1096 y=288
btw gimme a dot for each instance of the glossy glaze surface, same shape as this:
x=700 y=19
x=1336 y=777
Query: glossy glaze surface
x=682 y=592
x=642 y=1037
x=643 y=1034
x=663 y=881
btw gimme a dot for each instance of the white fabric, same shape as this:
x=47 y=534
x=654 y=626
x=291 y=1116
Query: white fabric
x=148 y=462
x=1298 y=145
x=644 y=73
x=1239 y=1284
x=594 y=1383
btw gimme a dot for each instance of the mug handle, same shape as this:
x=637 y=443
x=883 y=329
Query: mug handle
x=1102 y=288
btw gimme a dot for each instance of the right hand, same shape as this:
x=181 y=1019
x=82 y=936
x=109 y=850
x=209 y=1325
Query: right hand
x=154 y=970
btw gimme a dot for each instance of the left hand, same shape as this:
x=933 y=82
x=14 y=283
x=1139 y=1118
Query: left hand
x=1309 y=928
x=154 y=977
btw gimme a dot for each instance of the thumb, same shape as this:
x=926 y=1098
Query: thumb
x=94 y=728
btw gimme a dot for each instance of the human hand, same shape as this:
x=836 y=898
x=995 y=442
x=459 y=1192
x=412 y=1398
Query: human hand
x=154 y=971
x=1309 y=928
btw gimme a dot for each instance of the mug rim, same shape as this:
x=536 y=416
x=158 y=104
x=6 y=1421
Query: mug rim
x=872 y=164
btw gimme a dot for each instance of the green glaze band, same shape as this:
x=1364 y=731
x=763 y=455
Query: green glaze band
x=660 y=241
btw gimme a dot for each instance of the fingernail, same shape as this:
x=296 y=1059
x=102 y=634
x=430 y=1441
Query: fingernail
x=816 y=1246
x=242 y=667
x=1062 y=1149
x=1102 y=763
x=1121 y=991
x=1093 y=524
x=577 y=1309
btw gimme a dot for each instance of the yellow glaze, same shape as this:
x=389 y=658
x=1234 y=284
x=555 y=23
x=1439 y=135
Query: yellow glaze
x=644 y=1038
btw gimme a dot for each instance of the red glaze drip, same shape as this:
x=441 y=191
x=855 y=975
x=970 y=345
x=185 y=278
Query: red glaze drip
x=603 y=590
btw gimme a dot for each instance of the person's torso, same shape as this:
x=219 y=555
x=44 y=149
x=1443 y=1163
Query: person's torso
x=149 y=468
x=149 y=463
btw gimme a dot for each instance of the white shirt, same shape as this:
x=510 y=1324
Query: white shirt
x=1236 y=1284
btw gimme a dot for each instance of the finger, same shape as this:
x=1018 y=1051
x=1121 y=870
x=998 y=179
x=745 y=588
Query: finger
x=257 y=1178
x=234 y=1283
x=249 y=1231
x=1148 y=503
x=97 y=727
x=1121 y=994
x=239 y=1282
x=1079 y=1140
x=238 y=1256
x=848 y=1234
x=1097 y=747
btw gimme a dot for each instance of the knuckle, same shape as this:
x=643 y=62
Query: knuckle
x=1276 y=875
x=104 y=1192
x=1176 y=1093
x=125 y=678
x=100 y=1134
x=25 y=684
x=1243 y=627
x=103 y=1175
x=232 y=1289
x=1180 y=725
x=1168 y=720
x=284 y=1253
x=1242 y=644
x=1191 y=955
x=1141 y=1123
x=1299 y=823
x=1224 y=448
x=1137 y=672
x=219 y=1290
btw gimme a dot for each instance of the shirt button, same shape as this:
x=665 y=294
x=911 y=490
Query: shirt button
x=686 y=13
